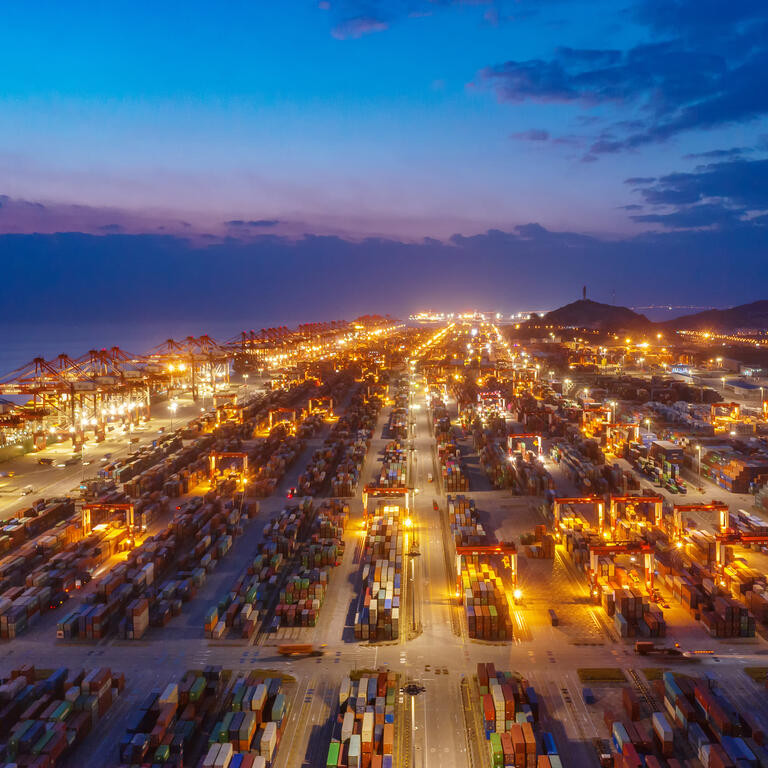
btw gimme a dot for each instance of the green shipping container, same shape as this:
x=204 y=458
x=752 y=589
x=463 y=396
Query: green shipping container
x=197 y=689
x=497 y=754
x=42 y=741
x=333 y=755
x=224 y=727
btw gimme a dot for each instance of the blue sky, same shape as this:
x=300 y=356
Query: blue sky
x=401 y=119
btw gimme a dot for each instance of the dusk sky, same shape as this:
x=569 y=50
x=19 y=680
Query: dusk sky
x=554 y=143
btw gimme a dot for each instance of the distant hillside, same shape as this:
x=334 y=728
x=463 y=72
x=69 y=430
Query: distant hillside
x=591 y=314
x=754 y=315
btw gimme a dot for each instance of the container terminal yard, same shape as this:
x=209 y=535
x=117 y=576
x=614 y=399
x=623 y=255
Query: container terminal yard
x=376 y=543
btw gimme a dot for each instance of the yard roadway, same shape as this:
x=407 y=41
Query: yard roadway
x=436 y=721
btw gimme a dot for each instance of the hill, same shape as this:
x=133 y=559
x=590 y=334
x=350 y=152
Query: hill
x=754 y=315
x=592 y=314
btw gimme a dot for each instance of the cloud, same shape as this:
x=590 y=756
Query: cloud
x=88 y=275
x=19 y=215
x=719 y=154
x=356 y=18
x=533 y=134
x=358 y=27
x=594 y=77
x=742 y=183
x=252 y=223
x=708 y=73
x=705 y=215
x=636 y=180
x=718 y=195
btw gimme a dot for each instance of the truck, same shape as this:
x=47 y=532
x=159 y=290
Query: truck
x=299 y=649
x=648 y=648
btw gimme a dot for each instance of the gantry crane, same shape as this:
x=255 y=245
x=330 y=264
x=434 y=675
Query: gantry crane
x=615 y=501
x=320 y=405
x=713 y=506
x=386 y=493
x=88 y=507
x=216 y=456
x=597 y=501
x=512 y=440
x=612 y=548
x=293 y=415
x=507 y=550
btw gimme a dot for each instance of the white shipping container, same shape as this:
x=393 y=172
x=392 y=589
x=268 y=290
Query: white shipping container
x=210 y=758
x=224 y=758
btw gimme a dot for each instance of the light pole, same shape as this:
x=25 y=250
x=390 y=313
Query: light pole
x=648 y=425
x=172 y=408
x=723 y=380
x=698 y=451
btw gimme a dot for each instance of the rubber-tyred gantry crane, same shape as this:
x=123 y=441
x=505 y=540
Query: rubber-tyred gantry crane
x=616 y=501
x=216 y=456
x=513 y=440
x=384 y=493
x=507 y=550
x=597 y=501
x=292 y=416
x=612 y=548
x=713 y=506
x=88 y=507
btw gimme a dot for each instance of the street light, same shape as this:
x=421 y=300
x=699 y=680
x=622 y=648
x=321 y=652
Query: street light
x=648 y=425
x=698 y=451
x=172 y=408
x=723 y=380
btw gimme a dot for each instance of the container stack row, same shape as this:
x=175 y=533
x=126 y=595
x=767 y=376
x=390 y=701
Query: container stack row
x=43 y=516
x=378 y=615
x=452 y=473
x=242 y=608
x=301 y=598
x=510 y=713
x=633 y=615
x=159 y=576
x=696 y=719
x=728 y=603
x=494 y=460
x=44 y=716
x=364 y=731
x=539 y=544
x=394 y=467
x=485 y=602
x=57 y=569
x=465 y=526
x=355 y=430
x=211 y=718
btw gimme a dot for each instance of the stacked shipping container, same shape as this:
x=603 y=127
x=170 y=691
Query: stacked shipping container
x=44 y=717
x=364 y=731
x=241 y=719
x=510 y=712
x=378 y=615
